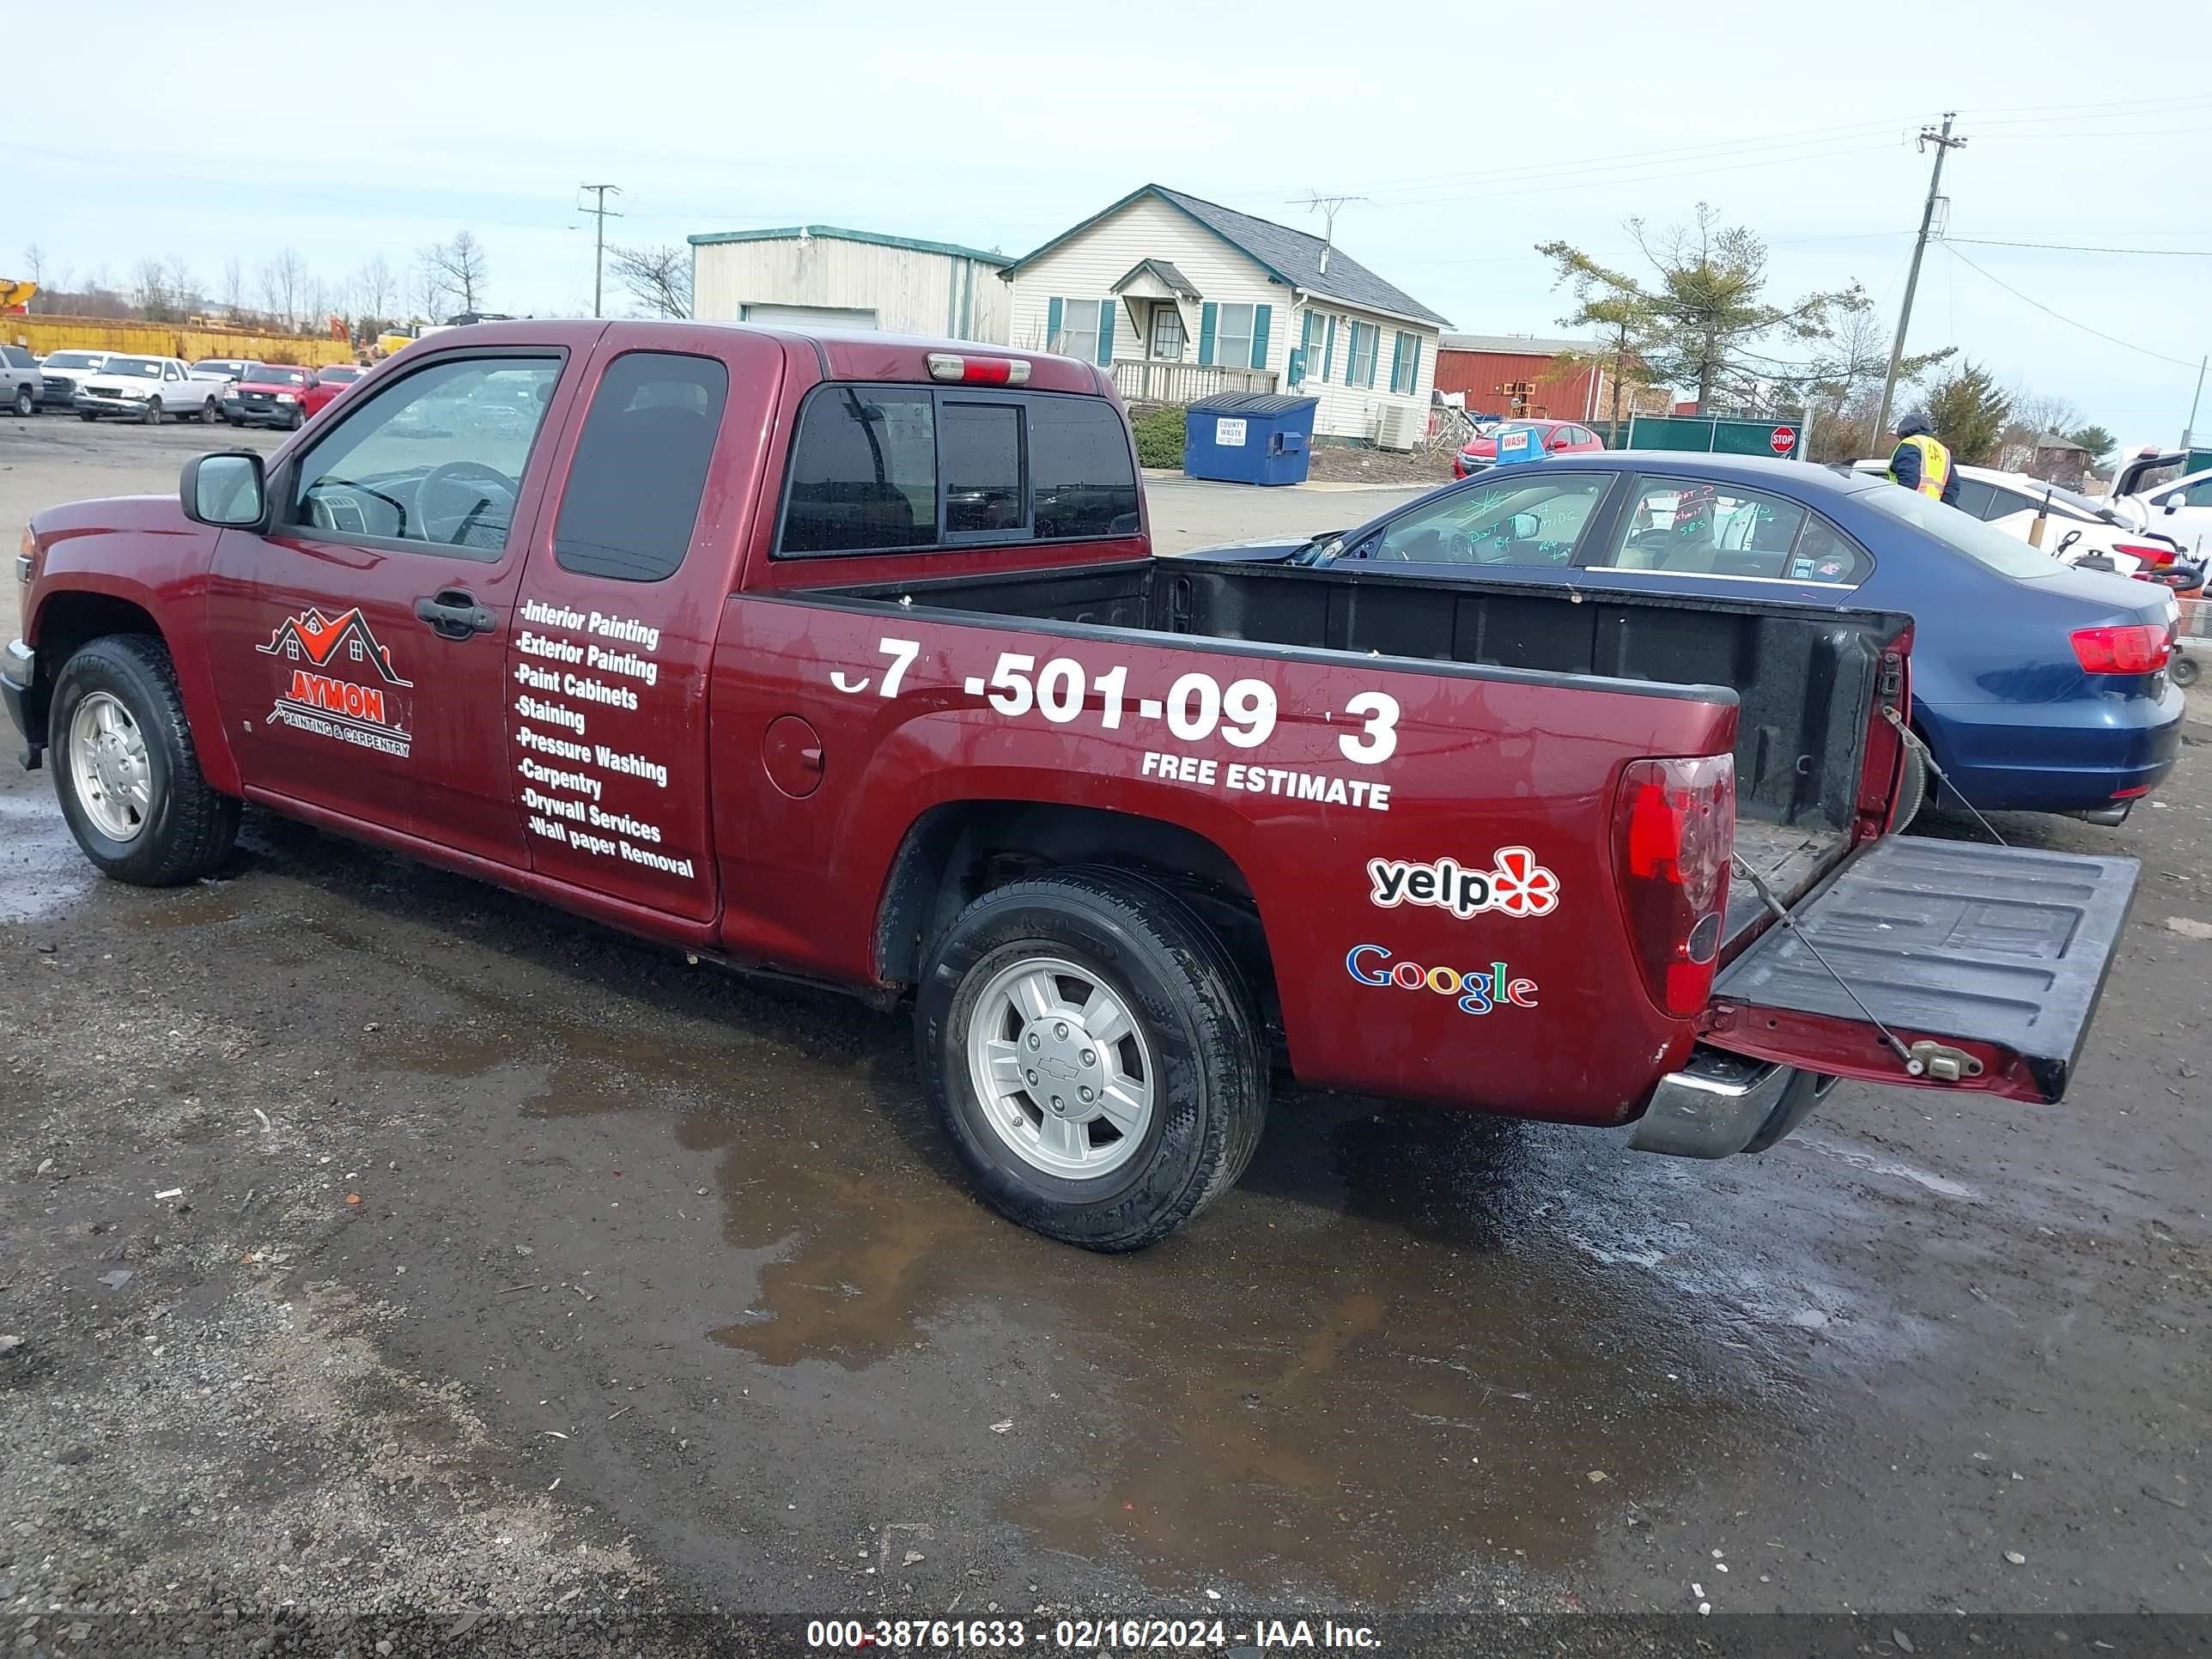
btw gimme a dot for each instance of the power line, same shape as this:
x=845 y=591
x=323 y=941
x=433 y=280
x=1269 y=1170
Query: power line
x=2113 y=339
x=2083 y=247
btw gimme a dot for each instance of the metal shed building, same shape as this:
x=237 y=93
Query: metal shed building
x=823 y=276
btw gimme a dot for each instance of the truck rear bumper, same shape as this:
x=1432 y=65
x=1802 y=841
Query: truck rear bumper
x=26 y=704
x=1721 y=1103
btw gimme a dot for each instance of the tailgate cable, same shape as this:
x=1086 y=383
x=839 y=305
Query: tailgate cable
x=1914 y=1066
x=1914 y=742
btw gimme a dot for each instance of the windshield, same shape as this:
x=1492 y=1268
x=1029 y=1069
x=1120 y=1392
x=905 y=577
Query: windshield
x=145 y=367
x=1985 y=544
x=340 y=376
x=73 y=360
x=272 y=374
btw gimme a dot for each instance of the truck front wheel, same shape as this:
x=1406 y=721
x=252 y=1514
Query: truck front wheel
x=124 y=768
x=1091 y=1052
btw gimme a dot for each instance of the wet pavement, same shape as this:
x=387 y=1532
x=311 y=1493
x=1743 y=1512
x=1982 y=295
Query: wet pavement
x=673 y=1269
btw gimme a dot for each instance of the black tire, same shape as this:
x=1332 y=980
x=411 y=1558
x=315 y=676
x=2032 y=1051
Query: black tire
x=86 y=415
x=152 y=413
x=1210 y=1088
x=2183 y=669
x=209 y=413
x=297 y=419
x=1911 y=791
x=235 y=420
x=25 y=403
x=189 y=830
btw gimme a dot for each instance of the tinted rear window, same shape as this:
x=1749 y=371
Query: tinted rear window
x=980 y=452
x=1985 y=544
x=868 y=462
x=1079 y=467
x=634 y=489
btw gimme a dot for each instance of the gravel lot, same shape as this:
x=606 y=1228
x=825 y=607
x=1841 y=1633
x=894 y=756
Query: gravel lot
x=373 y=1243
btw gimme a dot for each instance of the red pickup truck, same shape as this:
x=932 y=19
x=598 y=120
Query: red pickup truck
x=846 y=658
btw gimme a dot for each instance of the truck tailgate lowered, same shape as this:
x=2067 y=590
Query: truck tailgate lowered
x=1993 y=956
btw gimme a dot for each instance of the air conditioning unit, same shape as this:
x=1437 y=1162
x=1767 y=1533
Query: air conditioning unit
x=1397 y=427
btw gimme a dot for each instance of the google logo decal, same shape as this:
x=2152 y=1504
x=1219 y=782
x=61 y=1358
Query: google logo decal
x=1478 y=991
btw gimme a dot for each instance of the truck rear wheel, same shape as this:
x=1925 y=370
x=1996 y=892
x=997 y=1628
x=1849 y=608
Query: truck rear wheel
x=1091 y=1050
x=126 y=771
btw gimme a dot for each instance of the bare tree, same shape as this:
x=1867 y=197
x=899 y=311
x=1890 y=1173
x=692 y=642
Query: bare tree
x=233 y=284
x=315 y=305
x=281 y=280
x=658 y=277
x=378 y=288
x=149 y=290
x=34 y=263
x=460 y=267
x=184 y=286
x=429 y=288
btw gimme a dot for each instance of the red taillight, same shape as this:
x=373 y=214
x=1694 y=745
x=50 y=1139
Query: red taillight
x=1675 y=827
x=978 y=371
x=2154 y=555
x=2139 y=650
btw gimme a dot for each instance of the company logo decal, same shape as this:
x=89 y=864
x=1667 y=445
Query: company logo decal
x=343 y=682
x=1514 y=885
x=1477 y=991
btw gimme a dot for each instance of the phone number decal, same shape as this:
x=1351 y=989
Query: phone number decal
x=1196 y=707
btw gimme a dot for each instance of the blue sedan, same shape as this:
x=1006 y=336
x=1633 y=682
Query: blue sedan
x=2038 y=687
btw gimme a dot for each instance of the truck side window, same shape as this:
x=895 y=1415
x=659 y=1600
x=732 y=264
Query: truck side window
x=1080 y=468
x=437 y=457
x=634 y=489
x=863 y=473
x=1974 y=497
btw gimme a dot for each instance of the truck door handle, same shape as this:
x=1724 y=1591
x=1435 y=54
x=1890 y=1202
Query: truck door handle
x=454 y=614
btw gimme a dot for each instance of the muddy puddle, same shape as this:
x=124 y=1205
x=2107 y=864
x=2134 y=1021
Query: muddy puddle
x=1389 y=1352
x=41 y=869
x=1411 y=1344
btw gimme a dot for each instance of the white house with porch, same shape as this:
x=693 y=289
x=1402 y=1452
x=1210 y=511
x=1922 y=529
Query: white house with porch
x=1179 y=298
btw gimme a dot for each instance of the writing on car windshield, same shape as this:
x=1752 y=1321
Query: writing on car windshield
x=144 y=367
x=437 y=457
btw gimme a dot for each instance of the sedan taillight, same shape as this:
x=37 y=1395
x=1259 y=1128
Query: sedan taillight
x=2141 y=649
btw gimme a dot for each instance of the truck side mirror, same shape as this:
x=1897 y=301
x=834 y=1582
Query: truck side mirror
x=226 y=489
x=2174 y=503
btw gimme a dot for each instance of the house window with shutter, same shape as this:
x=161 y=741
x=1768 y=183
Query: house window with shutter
x=1359 y=362
x=1233 y=336
x=1406 y=364
x=1077 y=335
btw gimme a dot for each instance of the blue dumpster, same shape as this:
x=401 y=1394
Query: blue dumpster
x=1249 y=437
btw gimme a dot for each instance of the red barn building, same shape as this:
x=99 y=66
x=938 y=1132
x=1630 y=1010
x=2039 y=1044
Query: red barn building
x=1477 y=365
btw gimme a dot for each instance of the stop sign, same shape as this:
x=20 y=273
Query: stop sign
x=1783 y=440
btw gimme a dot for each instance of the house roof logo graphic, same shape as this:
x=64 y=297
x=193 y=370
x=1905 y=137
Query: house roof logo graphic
x=319 y=637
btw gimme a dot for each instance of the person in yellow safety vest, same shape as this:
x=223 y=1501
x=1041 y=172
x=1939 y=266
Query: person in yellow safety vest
x=1922 y=463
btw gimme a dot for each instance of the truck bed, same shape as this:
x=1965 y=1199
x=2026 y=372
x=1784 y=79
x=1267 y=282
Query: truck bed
x=1805 y=680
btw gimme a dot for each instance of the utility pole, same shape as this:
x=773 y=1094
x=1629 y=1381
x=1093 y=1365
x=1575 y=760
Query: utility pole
x=603 y=213
x=2190 y=431
x=1944 y=143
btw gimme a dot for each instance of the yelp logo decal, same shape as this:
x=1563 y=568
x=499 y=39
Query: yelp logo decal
x=1514 y=885
x=1477 y=992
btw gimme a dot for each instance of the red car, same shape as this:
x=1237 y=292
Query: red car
x=271 y=394
x=1558 y=438
x=328 y=382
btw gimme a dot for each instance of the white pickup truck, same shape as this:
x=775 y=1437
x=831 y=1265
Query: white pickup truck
x=150 y=389
x=2169 y=491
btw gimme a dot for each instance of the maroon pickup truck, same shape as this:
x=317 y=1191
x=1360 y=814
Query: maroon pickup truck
x=846 y=658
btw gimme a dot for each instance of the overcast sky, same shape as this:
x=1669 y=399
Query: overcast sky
x=1476 y=132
